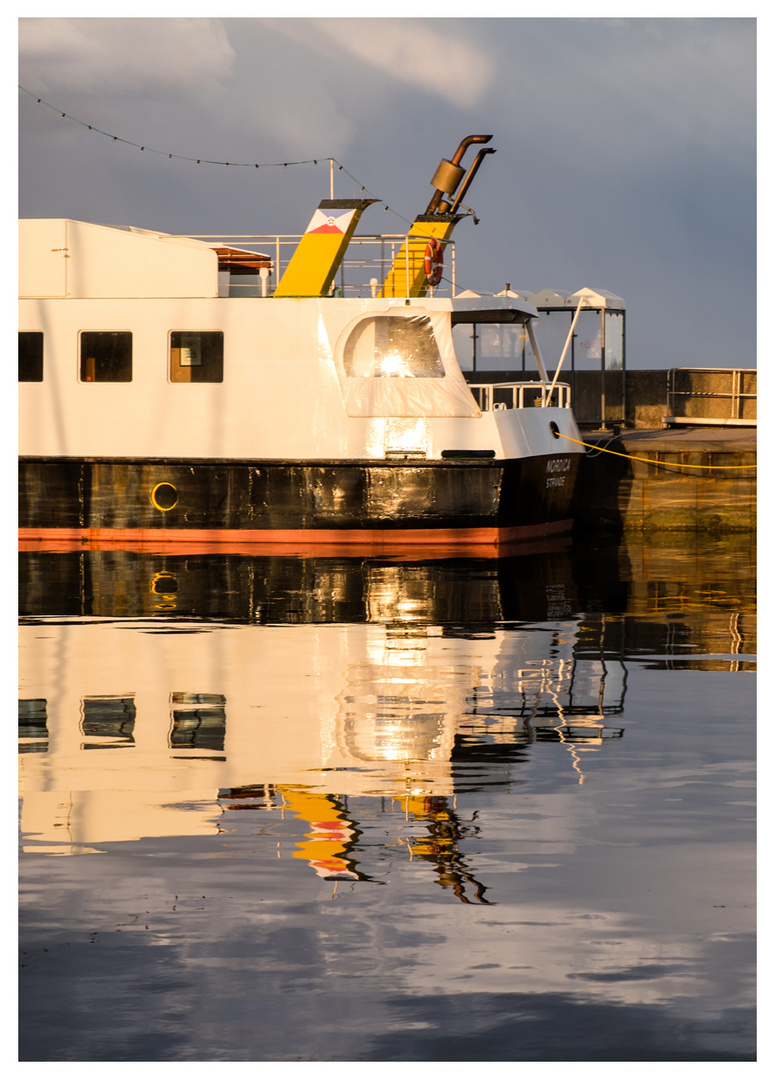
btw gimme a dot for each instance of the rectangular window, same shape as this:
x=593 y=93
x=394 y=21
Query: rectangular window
x=30 y=356
x=196 y=356
x=108 y=722
x=106 y=356
x=198 y=721
x=33 y=729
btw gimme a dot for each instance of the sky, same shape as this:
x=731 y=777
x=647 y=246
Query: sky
x=625 y=147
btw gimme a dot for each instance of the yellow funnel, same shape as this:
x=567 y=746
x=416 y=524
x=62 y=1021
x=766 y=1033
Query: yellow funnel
x=321 y=250
x=408 y=275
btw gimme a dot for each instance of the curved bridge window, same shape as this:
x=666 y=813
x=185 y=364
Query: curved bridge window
x=394 y=348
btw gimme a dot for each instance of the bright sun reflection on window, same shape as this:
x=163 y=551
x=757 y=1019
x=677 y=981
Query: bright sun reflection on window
x=391 y=346
x=393 y=364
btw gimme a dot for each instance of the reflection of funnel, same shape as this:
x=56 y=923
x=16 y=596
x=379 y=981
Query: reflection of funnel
x=331 y=837
x=441 y=847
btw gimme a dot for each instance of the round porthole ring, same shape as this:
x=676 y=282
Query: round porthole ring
x=169 y=495
x=164 y=584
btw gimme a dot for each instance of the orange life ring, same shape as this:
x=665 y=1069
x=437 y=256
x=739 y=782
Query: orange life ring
x=434 y=262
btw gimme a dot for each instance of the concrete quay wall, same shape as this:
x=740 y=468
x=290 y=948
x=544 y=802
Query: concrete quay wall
x=657 y=485
x=644 y=474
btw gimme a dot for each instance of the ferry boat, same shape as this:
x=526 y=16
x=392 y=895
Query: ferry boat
x=171 y=393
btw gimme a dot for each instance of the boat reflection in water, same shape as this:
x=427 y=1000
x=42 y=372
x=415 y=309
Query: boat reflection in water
x=402 y=682
x=356 y=809
x=396 y=681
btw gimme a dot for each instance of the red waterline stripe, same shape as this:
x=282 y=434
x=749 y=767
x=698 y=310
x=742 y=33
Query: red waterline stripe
x=270 y=541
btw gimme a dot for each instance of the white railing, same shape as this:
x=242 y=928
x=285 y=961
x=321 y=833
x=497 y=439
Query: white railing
x=522 y=395
x=368 y=268
x=367 y=262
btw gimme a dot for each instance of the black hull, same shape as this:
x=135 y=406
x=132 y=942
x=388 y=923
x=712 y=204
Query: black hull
x=193 y=499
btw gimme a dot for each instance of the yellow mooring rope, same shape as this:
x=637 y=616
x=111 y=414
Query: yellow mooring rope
x=651 y=461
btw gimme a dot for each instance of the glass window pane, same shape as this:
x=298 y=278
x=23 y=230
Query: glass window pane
x=614 y=340
x=588 y=343
x=196 y=356
x=30 y=356
x=33 y=729
x=106 y=356
x=392 y=347
x=108 y=722
x=198 y=721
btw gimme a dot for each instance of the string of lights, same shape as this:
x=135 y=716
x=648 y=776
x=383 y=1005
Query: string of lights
x=203 y=160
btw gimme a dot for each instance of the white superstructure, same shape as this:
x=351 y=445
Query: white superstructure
x=285 y=389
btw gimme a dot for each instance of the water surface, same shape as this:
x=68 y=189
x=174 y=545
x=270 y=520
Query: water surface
x=340 y=809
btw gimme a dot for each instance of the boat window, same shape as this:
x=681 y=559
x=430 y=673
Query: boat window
x=33 y=727
x=106 y=356
x=198 y=721
x=107 y=722
x=196 y=356
x=30 y=356
x=393 y=347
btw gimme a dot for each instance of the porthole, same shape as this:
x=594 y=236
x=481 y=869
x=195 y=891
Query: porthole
x=164 y=496
x=164 y=583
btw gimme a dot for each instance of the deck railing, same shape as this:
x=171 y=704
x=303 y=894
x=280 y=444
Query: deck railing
x=521 y=395
x=365 y=267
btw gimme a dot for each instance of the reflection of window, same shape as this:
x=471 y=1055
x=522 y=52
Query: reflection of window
x=198 y=721
x=250 y=797
x=108 y=721
x=33 y=729
x=30 y=356
x=106 y=356
x=196 y=356
x=393 y=347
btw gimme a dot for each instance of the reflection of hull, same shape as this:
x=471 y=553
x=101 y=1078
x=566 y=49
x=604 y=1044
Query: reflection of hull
x=287 y=589
x=394 y=549
x=126 y=727
x=461 y=504
x=553 y=579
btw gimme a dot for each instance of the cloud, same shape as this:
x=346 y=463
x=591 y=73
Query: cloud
x=413 y=52
x=626 y=147
x=694 y=79
x=144 y=58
